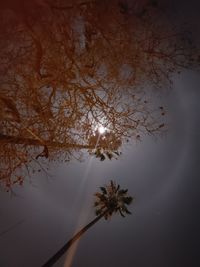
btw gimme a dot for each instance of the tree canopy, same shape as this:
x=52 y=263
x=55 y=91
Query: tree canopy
x=112 y=200
x=70 y=67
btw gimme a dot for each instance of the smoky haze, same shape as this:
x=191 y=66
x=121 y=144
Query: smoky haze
x=162 y=173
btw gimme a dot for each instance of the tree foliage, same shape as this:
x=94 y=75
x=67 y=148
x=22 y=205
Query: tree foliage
x=112 y=199
x=68 y=67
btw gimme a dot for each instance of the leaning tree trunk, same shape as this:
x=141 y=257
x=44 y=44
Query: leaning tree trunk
x=59 y=254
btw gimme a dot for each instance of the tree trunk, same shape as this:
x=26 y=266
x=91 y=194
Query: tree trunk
x=59 y=254
x=36 y=142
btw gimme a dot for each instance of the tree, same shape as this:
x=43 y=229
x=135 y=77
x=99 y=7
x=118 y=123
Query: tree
x=110 y=200
x=69 y=67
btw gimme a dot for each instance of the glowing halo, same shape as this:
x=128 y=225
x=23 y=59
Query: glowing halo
x=101 y=129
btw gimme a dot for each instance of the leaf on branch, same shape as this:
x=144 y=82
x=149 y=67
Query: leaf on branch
x=161 y=125
x=102 y=157
x=44 y=153
x=109 y=155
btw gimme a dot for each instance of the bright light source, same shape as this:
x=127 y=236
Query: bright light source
x=101 y=130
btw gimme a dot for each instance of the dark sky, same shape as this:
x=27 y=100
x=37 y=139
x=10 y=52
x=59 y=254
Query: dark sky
x=162 y=173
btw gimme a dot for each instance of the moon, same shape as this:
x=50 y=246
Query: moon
x=101 y=130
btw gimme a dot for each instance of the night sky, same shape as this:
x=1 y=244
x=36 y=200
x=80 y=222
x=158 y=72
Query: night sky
x=162 y=173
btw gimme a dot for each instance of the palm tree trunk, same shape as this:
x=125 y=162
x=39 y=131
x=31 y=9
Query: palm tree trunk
x=59 y=254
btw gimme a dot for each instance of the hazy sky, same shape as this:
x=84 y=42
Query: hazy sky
x=163 y=175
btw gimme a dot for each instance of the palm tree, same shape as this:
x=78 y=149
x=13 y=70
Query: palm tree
x=110 y=200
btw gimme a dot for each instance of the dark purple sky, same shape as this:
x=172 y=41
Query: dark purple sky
x=162 y=174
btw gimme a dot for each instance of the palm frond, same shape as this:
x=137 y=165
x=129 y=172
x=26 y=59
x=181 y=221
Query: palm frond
x=113 y=200
x=103 y=189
